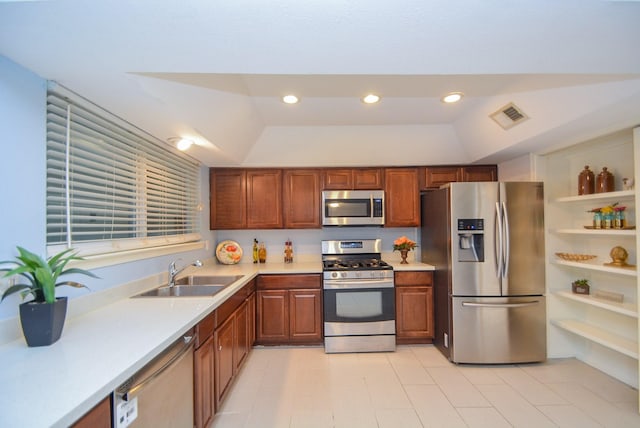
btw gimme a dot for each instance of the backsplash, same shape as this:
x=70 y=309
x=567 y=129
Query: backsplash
x=307 y=242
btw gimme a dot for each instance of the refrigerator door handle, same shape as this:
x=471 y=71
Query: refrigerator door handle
x=505 y=223
x=501 y=305
x=499 y=241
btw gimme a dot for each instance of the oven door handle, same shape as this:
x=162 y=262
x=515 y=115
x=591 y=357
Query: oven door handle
x=345 y=284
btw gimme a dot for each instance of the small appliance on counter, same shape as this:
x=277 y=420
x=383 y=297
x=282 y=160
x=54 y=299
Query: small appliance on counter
x=358 y=297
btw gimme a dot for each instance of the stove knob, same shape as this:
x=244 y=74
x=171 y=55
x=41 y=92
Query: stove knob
x=343 y=274
x=334 y=274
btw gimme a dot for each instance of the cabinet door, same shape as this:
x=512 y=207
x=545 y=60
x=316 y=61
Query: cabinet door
x=305 y=316
x=241 y=335
x=264 y=199
x=367 y=179
x=223 y=360
x=273 y=317
x=480 y=173
x=228 y=193
x=414 y=314
x=338 y=179
x=203 y=385
x=301 y=199
x=98 y=417
x=436 y=176
x=402 y=197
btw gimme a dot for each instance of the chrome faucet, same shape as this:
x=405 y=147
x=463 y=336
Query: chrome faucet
x=173 y=272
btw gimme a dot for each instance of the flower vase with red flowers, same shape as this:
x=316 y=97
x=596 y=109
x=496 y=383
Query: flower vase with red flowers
x=404 y=245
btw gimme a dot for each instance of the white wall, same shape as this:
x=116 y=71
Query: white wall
x=23 y=187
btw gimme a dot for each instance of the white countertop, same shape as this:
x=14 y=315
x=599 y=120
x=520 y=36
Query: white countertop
x=55 y=385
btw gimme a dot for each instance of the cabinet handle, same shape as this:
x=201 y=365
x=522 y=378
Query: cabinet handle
x=220 y=348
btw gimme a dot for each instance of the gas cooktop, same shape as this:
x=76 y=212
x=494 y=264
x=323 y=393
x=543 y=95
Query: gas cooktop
x=355 y=264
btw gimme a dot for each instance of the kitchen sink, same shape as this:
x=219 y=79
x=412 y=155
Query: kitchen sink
x=208 y=279
x=193 y=286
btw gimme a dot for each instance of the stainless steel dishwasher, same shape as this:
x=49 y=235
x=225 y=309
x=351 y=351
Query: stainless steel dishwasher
x=161 y=393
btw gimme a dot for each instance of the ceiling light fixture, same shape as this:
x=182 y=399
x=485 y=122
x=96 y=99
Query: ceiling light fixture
x=370 y=99
x=181 y=143
x=290 y=99
x=452 y=97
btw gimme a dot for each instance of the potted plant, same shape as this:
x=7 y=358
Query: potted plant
x=580 y=286
x=404 y=245
x=43 y=317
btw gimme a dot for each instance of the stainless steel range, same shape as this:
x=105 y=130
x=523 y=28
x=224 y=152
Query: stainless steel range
x=358 y=297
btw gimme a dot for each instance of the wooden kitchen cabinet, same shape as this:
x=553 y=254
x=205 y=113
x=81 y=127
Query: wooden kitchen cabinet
x=301 y=198
x=402 y=197
x=289 y=309
x=203 y=387
x=98 y=417
x=414 y=307
x=432 y=177
x=352 y=179
x=223 y=358
x=264 y=199
x=228 y=195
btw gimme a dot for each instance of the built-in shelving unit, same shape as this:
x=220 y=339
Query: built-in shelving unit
x=601 y=332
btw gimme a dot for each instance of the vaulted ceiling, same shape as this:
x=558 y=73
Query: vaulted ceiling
x=214 y=71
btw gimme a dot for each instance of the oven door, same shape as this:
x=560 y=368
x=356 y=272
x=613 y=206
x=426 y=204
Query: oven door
x=358 y=307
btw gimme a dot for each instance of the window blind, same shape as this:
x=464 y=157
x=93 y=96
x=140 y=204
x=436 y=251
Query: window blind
x=110 y=186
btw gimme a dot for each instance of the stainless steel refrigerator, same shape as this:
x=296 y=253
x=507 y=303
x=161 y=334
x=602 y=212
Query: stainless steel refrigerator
x=486 y=241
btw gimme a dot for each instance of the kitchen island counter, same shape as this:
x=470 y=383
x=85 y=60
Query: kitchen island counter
x=53 y=386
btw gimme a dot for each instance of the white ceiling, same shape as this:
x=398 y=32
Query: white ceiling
x=214 y=71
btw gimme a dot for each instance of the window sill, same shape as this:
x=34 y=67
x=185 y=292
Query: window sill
x=104 y=260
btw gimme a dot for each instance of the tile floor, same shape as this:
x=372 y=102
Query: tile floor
x=417 y=387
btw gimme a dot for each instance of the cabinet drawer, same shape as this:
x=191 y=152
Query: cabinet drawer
x=413 y=278
x=283 y=282
x=204 y=329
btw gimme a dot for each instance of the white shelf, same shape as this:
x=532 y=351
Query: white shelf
x=621 y=194
x=597 y=266
x=628 y=309
x=600 y=336
x=598 y=232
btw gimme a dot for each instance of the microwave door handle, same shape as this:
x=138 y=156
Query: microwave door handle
x=371 y=209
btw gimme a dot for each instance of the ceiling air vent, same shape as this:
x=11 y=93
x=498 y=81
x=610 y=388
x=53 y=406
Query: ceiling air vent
x=508 y=116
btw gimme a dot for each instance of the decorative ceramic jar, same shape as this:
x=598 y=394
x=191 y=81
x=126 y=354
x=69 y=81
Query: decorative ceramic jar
x=586 y=181
x=605 y=181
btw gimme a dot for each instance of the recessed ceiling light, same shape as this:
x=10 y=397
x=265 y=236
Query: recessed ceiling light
x=370 y=99
x=184 y=144
x=290 y=99
x=452 y=97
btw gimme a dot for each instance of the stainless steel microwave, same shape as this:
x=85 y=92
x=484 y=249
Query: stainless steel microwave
x=353 y=208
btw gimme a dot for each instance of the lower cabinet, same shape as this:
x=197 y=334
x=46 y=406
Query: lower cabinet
x=225 y=338
x=289 y=310
x=203 y=389
x=98 y=417
x=414 y=307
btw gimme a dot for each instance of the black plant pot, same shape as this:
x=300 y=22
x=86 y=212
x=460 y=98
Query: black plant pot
x=42 y=323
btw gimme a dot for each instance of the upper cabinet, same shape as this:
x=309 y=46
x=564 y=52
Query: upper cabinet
x=301 y=198
x=242 y=198
x=432 y=177
x=264 y=199
x=352 y=179
x=228 y=194
x=402 y=197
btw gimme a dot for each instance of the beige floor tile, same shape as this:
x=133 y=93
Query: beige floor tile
x=416 y=386
x=568 y=416
x=398 y=418
x=591 y=404
x=432 y=407
x=513 y=407
x=459 y=391
x=480 y=375
x=483 y=417
x=532 y=390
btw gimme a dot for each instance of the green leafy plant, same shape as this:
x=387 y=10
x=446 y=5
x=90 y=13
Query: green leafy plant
x=42 y=275
x=581 y=282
